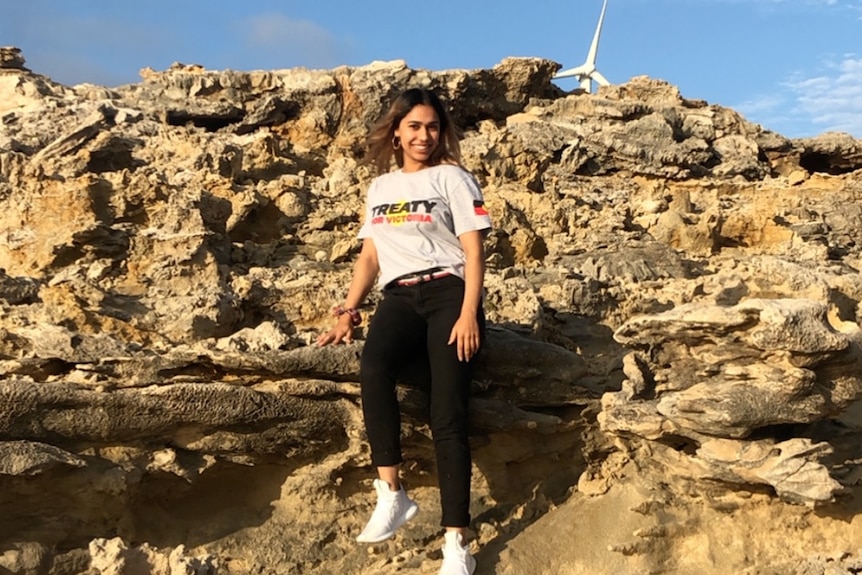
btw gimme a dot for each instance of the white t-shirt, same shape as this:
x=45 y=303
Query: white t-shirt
x=415 y=218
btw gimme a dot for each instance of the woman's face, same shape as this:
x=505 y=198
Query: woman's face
x=419 y=132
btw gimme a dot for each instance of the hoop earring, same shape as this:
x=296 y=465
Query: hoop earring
x=396 y=143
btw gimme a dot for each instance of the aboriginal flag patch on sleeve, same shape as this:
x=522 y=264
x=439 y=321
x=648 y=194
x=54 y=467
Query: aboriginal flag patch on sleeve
x=479 y=208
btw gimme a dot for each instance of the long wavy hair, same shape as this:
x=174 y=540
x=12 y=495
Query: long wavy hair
x=380 y=149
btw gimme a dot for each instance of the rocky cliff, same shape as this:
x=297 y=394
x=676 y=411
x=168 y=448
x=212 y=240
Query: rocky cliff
x=672 y=367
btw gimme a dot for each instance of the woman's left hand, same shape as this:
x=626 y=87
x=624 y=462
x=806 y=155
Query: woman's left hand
x=465 y=336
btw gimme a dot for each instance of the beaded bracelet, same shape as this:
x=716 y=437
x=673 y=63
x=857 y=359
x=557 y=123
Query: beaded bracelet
x=355 y=317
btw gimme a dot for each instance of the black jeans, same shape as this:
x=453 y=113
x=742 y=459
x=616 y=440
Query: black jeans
x=411 y=321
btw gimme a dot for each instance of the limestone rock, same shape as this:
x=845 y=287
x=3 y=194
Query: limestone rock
x=114 y=556
x=791 y=467
x=17 y=291
x=11 y=57
x=30 y=458
x=673 y=296
x=832 y=152
x=712 y=371
x=25 y=559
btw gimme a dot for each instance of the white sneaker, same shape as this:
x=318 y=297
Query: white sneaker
x=393 y=509
x=456 y=556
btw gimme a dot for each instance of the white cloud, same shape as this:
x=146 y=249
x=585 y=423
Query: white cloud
x=833 y=99
x=761 y=104
x=797 y=2
x=807 y=105
x=806 y=2
x=294 y=42
x=771 y=112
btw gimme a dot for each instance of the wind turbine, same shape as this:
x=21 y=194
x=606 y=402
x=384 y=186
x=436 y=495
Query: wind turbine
x=587 y=72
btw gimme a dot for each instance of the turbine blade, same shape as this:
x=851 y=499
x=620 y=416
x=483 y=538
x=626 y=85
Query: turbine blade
x=594 y=47
x=600 y=80
x=576 y=71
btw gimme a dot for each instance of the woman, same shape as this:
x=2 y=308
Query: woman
x=422 y=244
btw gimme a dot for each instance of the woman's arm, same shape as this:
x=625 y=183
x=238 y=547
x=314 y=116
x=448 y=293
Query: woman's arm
x=365 y=272
x=465 y=333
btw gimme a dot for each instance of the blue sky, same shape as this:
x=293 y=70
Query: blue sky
x=794 y=66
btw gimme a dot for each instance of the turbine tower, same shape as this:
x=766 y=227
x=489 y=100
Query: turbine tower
x=587 y=72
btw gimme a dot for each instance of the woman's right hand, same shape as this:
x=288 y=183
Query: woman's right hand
x=364 y=274
x=342 y=332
